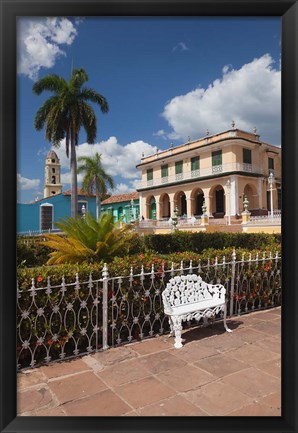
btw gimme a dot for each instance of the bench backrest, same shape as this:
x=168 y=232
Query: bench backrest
x=183 y=291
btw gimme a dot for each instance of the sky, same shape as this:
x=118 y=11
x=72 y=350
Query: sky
x=167 y=80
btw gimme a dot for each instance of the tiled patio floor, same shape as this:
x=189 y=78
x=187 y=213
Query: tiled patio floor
x=215 y=373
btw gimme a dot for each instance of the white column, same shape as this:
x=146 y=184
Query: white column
x=234 y=199
x=260 y=192
x=141 y=212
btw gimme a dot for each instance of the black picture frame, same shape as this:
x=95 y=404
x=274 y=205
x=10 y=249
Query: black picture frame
x=10 y=10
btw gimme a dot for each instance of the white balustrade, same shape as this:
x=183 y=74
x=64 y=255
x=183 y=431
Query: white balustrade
x=202 y=172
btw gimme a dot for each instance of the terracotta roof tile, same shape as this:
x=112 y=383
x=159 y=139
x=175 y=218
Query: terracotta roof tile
x=80 y=192
x=121 y=197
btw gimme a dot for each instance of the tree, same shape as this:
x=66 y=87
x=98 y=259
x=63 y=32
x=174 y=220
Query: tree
x=64 y=113
x=87 y=240
x=95 y=178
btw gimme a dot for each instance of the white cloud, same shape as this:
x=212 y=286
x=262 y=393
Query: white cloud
x=122 y=188
x=161 y=133
x=181 y=46
x=39 y=43
x=118 y=160
x=24 y=183
x=251 y=96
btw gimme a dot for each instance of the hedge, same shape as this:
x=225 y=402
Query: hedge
x=35 y=254
x=198 y=242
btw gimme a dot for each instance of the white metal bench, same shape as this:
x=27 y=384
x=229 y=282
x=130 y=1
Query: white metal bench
x=188 y=297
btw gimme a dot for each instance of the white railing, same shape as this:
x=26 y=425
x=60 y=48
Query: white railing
x=202 y=172
x=266 y=219
x=167 y=223
x=38 y=232
x=68 y=319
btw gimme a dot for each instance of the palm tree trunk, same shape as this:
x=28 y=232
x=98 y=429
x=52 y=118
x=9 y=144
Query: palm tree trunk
x=74 y=180
x=97 y=205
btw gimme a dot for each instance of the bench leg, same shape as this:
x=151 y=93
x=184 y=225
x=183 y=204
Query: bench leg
x=225 y=317
x=171 y=327
x=177 y=325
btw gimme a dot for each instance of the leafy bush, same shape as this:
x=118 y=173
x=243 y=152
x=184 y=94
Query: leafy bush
x=198 y=242
x=31 y=253
x=87 y=240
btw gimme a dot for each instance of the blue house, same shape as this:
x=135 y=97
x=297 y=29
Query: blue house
x=43 y=214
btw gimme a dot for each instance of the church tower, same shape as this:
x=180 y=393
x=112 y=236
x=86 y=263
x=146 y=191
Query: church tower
x=52 y=184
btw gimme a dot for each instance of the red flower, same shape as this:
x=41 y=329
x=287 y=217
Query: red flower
x=50 y=342
x=39 y=279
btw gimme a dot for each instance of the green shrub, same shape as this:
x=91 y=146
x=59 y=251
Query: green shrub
x=30 y=254
x=200 y=241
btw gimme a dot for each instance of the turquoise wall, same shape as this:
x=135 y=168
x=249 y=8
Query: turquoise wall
x=28 y=215
x=122 y=208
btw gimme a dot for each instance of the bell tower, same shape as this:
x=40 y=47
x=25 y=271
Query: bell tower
x=52 y=184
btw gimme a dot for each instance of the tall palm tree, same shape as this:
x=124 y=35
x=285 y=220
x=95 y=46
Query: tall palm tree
x=95 y=178
x=65 y=112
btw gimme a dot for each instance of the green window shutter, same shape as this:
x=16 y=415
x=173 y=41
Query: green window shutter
x=246 y=156
x=164 y=170
x=149 y=174
x=271 y=163
x=217 y=158
x=178 y=167
x=195 y=163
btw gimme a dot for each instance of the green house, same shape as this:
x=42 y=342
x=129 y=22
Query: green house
x=122 y=205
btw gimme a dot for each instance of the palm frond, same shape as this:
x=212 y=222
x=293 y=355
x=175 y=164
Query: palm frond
x=51 y=82
x=88 y=94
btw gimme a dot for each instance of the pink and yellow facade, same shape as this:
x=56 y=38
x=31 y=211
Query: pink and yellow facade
x=217 y=170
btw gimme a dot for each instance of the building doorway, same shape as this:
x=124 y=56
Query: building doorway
x=152 y=209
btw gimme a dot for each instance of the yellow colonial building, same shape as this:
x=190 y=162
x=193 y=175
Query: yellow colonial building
x=219 y=171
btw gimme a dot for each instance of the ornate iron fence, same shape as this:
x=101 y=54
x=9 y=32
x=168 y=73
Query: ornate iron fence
x=67 y=320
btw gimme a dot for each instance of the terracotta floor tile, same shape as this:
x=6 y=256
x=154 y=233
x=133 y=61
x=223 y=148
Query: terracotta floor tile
x=272 y=367
x=114 y=355
x=220 y=365
x=217 y=398
x=198 y=333
x=193 y=351
x=152 y=345
x=64 y=368
x=30 y=378
x=132 y=413
x=76 y=386
x=253 y=382
x=162 y=361
x=33 y=399
x=273 y=400
x=265 y=315
x=123 y=372
x=174 y=406
x=250 y=335
x=276 y=311
x=144 y=392
x=105 y=403
x=184 y=379
x=247 y=320
x=270 y=343
x=54 y=411
x=255 y=410
x=271 y=328
x=225 y=342
x=252 y=354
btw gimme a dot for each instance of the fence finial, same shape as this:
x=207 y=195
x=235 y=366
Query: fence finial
x=105 y=272
x=234 y=255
